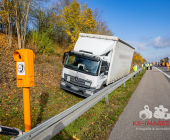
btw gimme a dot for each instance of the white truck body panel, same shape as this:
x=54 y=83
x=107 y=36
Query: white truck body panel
x=121 y=60
x=120 y=57
x=96 y=46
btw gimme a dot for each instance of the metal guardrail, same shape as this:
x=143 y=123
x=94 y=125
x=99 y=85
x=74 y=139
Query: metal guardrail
x=54 y=125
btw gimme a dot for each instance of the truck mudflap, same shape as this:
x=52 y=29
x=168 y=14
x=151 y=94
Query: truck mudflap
x=85 y=92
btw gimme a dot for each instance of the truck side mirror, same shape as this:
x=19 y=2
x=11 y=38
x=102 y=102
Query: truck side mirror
x=64 y=56
x=107 y=67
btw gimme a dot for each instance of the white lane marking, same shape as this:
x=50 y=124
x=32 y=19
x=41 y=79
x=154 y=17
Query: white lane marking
x=163 y=73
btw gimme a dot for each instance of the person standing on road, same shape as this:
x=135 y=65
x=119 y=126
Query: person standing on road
x=167 y=66
x=147 y=66
x=134 y=69
x=150 y=66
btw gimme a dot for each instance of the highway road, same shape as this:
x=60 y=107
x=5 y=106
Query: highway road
x=163 y=69
x=147 y=114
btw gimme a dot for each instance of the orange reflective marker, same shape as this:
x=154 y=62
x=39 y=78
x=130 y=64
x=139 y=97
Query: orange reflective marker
x=25 y=78
x=167 y=66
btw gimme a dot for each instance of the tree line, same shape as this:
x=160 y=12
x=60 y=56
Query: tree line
x=137 y=58
x=48 y=27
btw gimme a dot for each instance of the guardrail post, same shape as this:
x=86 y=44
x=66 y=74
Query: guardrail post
x=124 y=84
x=107 y=99
x=131 y=78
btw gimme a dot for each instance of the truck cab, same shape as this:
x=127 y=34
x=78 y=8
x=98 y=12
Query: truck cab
x=84 y=73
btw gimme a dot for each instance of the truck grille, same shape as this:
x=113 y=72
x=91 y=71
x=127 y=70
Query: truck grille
x=77 y=81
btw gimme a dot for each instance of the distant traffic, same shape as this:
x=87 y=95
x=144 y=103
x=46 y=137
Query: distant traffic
x=163 y=62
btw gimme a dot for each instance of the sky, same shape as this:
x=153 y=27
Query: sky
x=145 y=24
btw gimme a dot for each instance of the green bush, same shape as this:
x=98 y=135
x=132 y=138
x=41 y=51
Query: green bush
x=43 y=41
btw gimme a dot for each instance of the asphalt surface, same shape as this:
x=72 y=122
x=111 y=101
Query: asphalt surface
x=153 y=90
x=163 y=69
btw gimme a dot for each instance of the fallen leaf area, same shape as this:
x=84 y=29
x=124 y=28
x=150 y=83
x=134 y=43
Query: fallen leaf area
x=46 y=97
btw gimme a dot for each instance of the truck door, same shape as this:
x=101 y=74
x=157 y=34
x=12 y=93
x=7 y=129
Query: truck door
x=102 y=75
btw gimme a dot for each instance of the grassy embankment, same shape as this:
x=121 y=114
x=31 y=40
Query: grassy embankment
x=47 y=99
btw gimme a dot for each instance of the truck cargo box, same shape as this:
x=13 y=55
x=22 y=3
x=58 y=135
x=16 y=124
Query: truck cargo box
x=120 y=52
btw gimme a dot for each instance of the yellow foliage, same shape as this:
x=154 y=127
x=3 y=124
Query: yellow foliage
x=137 y=58
x=74 y=137
x=78 y=20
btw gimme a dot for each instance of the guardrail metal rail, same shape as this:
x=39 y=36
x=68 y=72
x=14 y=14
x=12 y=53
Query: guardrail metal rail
x=54 y=125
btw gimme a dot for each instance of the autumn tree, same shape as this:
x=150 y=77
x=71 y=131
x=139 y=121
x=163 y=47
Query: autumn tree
x=65 y=21
x=41 y=18
x=78 y=20
x=21 y=9
x=15 y=12
x=7 y=18
x=137 y=58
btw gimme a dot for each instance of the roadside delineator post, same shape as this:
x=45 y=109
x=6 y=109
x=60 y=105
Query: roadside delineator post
x=25 y=78
x=107 y=99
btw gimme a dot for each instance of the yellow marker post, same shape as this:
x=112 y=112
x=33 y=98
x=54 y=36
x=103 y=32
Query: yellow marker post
x=25 y=78
x=27 y=112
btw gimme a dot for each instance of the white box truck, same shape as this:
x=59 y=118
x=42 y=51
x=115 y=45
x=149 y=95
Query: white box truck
x=96 y=61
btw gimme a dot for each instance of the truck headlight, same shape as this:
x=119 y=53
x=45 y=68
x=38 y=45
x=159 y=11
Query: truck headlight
x=63 y=83
x=87 y=83
x=89 y=92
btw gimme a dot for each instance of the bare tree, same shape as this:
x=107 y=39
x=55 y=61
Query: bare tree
x=9 y=13
x=102 y=27
x=21 y=9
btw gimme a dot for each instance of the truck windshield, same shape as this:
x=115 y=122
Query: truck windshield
x=82 y=64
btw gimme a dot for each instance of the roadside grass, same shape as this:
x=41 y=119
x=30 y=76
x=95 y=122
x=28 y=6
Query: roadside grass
x=49 y=103
x=97 y=122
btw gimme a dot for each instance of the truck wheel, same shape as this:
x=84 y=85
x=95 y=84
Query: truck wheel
x=102 y=87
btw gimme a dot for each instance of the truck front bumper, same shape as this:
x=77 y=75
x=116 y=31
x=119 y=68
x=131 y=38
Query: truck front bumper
x=86 y=92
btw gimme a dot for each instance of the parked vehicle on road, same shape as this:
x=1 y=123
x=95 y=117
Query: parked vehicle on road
x=162 y=62
x=96 y=61
x=157 y=63
x=167 y=59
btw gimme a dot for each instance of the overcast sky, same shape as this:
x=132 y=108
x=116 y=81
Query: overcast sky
x=145 y=24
